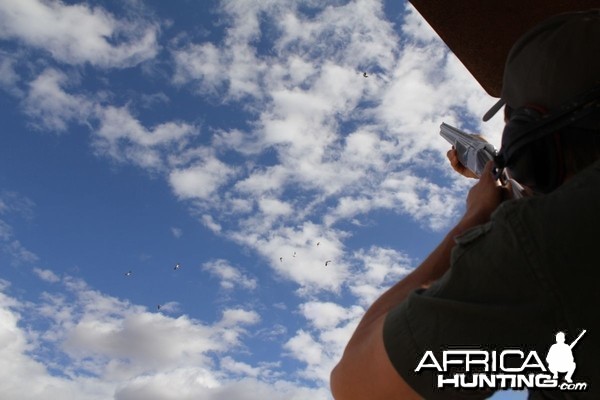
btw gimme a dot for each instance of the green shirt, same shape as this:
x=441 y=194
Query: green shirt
x=513 y=284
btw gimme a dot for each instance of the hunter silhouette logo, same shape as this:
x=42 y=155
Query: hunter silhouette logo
x=560 y=357
x=511 y=368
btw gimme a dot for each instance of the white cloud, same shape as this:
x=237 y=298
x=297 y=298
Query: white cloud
x=108 y=347
x=78 y=34
x=378 y=269
x=118 y=342
x=202 y=63
x=325 y=315
x=123 y=137
x=307 y=267
x=116 y=133
x=211 y=224
x=267 y=180
x=274 y=332
x=423 y=200
x=356 y=33
x=319 y=345
x=9 y=78
x=18 y=253
x=194 y=384
x=149 y=341
x=201 y=180
x=46 y=275
x=126 y=340
x=239 y=368
x=305 y=348
x=317 y=352
x=274 y=207
x=6 y=231
x=236 y=316
x=234 y=68
x=230 y=277
x=169 y=307
x=118 y=124
x=177 y=232
x=51 y=106
x=24 y=378
x=13 y=204
x=181 y=383
x=415 y=26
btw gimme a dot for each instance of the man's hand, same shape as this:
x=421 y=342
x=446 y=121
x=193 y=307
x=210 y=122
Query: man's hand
x=483 y=198
x=457 y=165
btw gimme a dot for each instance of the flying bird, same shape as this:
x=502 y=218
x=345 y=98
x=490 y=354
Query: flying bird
x=365 y=75
x=158 y=307
x=294 y=254
x=327 y=262
x=128 y=273
x=281 y=259
x=318 y=243
x=177 y=266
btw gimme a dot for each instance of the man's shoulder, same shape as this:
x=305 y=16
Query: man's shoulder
x=539 y=231
x=578 y=195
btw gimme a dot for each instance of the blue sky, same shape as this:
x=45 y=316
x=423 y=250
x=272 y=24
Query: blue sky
x=237 y=139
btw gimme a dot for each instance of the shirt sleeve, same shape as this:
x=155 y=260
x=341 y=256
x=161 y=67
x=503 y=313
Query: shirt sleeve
x=489 y=299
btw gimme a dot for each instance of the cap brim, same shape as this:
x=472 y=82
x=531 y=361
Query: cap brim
x=492 y=111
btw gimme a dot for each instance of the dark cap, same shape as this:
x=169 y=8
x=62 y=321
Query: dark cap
x=553 y=62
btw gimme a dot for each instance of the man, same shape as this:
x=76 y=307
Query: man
x=511 y=273
x=560 y=358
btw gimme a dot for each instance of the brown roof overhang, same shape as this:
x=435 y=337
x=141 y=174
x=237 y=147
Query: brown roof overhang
x=481 y=32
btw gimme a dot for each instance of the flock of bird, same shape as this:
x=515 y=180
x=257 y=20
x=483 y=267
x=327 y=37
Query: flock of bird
x=294 y=255
x=178 y=266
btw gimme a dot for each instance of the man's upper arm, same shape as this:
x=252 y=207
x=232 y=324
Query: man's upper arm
x=365 y=371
